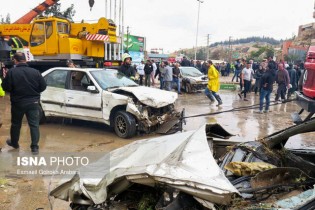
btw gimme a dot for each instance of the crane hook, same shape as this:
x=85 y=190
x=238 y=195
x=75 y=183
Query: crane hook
x=91 y=3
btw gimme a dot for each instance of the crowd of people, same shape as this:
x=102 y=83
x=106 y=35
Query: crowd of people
x=257 y=77
x=265 y=74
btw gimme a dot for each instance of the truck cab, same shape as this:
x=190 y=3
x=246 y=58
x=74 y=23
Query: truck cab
x=306 y=98
x=309 y=75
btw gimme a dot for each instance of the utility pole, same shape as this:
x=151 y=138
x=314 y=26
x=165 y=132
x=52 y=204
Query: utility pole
x=127 y=48
x=122 y=25
x=208 y=46
x=199 y=1
x=230 y=49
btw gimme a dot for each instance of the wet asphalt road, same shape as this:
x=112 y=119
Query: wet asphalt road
x=27 y=192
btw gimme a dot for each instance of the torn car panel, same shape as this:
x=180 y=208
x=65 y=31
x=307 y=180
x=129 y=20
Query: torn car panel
x=151 y=96
x=182 y=161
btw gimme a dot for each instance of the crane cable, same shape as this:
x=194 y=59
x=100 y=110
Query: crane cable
x=254 y=106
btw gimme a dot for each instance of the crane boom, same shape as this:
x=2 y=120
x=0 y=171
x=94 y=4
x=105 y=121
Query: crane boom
x=28 y=17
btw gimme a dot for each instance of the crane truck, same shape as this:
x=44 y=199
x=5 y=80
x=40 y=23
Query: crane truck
x=53 y=40
x=306 y=97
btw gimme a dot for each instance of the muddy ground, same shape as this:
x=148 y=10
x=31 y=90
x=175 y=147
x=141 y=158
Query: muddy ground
x=29 y=192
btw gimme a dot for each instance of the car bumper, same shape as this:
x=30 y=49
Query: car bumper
x=306 y=103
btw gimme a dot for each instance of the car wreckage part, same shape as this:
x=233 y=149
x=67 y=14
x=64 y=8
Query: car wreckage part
x=173 y=125
x=291 y=168
x=292 y=172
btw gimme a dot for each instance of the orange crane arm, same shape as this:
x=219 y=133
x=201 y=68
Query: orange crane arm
x=28 y=17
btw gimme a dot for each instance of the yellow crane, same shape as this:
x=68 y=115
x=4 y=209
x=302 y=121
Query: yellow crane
x=57 y=39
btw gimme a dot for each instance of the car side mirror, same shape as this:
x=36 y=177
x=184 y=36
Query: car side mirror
x=92 y=89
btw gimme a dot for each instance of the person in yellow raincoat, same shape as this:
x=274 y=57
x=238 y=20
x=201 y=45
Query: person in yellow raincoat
x=213 y=84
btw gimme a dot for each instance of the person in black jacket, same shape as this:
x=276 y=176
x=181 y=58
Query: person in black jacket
x=25 y=85
x=185 y=62
x=266 y=83
x=126 y=68
x=148 y=69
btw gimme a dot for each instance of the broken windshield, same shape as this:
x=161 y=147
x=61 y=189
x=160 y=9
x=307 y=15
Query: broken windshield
x=111 y=78
x=191 y=72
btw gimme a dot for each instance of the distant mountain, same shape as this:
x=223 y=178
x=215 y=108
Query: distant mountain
x=268 y=40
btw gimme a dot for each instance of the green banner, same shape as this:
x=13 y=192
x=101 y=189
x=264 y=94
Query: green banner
x=133 y=43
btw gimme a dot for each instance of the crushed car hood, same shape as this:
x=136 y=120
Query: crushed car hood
x=182 y=161
x=197 y=79
x=151 y=96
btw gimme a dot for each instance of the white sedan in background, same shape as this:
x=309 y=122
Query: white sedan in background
x=107 y=96
x=192 y=79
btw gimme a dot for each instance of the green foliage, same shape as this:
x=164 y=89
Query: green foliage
x=291 y=58
x=201 y=54
x=270 y=52
x=269 y=40
x=6 y=20
x=262 y=52
x=55 y=10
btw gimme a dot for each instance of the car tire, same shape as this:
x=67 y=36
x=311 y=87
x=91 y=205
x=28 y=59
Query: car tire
x=42 y=117
x=124 y=124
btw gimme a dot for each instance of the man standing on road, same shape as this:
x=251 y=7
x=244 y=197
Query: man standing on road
x=272 y=66
x=161 y=73
x=148 y=69
x=293 y=80
x=167 y=76
x=283 y=81
x=140 y=69
x=246 y=78
x=185 y=62
x=213 y=84
x=176 y=77
x=266 y=83
x=25 y=85
x=237 y=71
x=153 y=72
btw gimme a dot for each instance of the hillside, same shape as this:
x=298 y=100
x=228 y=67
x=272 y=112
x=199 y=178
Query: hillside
x=253 y=39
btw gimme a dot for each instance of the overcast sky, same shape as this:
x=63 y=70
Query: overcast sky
x=172 y=24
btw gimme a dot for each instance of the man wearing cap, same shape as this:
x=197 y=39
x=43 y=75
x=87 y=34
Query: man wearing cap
x=126 y=68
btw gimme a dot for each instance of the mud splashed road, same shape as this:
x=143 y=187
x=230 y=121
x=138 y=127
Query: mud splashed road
x=78 y=137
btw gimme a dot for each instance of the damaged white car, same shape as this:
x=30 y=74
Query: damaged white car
x=107 y=96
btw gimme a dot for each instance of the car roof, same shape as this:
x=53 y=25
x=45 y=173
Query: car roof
x=75 y=69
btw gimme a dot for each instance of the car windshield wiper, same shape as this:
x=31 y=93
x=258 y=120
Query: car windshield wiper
x=132 y=85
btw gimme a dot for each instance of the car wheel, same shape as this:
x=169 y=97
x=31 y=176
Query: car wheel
x=124 y=124
x=42 y=117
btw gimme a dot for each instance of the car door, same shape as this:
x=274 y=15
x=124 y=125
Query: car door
x=53 y=98
x=81 y=103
